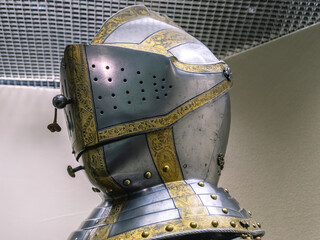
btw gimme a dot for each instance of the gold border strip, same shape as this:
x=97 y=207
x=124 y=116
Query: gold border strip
x=98 y=174
x=118 y=19
x=163 y=152
x=79 y=86
x=196 y=68
x=103 y=232
x=179 y=226
x=157 y=123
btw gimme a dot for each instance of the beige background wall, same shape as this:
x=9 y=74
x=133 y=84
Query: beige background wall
x=272 y=163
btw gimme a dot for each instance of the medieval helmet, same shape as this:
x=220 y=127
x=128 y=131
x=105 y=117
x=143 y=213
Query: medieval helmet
x=148 y=115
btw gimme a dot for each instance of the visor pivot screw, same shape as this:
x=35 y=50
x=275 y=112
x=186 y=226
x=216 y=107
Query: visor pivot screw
x=60 y=101
x=72 y=171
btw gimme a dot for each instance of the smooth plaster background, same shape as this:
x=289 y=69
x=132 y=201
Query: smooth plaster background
x=272 y=159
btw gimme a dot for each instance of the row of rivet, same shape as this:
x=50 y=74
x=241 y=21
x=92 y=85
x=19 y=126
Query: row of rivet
x=214 y=223
x=224 y=210
x=147 y=175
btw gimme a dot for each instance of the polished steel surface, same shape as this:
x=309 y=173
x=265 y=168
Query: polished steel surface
x=136 y=31
x=202 y=135
x=121 y=155
x=128 y=85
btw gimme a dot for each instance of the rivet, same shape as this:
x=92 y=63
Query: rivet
x=259 y=225
x=127 y=182
x=224 y=210
x=145 y=234
x=147 y=175
x=215 y=223
x=244 y=236
x=258 y=238
x=201 y=184
x=214 y=197
x=250 y=213
x=233 y=224
x=169 y=228
x=193 y=224
x=166 y=168
x=226 y=190
x=110 y=190
x=253 y=225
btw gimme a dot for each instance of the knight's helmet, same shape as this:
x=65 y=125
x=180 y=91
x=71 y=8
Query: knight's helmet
x=148 y=114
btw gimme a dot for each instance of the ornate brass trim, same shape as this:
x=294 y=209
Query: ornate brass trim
x=82 y=106
x=198 y=68
x=179 y=226
x=156 y=123
x=118 y=19
x=97 y=172
x=163 y=152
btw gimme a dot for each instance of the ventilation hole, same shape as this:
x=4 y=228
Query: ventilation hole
x=138 y=72
x=170 y=86
x=110 y=79
x=156 y=90
x=101 y=112
x=129 y=102
x=114 y=107
x=143 y=99
x=93 y=65
x=95 y=79
x=125 y=80
x=122 y=69
x=113 y=95
x=100 y=97
x=154 y=76
x=166 y=94
x=127 y=92
x=141 y=82
x=163 y=79
x=154 y=84
x=107 y=67
x=157 y=97
x=142 y=90
x=162 y=87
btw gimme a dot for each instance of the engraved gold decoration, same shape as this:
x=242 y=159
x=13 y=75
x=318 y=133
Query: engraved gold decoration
x=156 y=123
x=164 y=156
x=118 y=19
x=102 y=233
x=82 y=107
x=196 y=68
x=179 y=226
x=97 y=172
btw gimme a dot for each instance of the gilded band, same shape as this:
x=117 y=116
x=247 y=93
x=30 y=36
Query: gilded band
x=180 y=226
x=158 y=123
x=162 y=149
x=97 y=172
x=79 y=86
x=199 y=68
x=118 y=19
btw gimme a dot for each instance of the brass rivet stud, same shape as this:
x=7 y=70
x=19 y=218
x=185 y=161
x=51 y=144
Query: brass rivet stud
x=233 y=224
x=169 y=228
x=244 y=236
x=253 y=225
x=201 y=184
x=258 y=238
x=215 y=223
x=166 y=168
x=193 y=224
x=214 y=197
x=259 y=225
x=226 y=190
x=127 y=182
x=224 y=210
x=148 y=175
x=110 y=190
x=145 y=234
x=250 y=213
